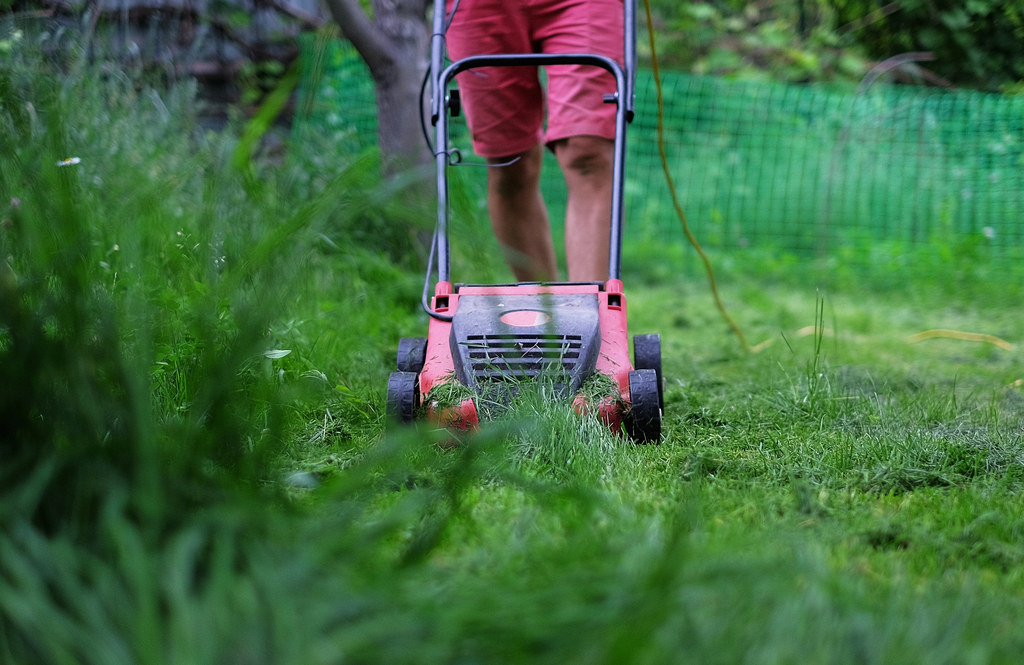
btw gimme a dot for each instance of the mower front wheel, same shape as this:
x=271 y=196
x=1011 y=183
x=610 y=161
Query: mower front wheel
x=403 y=395
x=647 y=355
x=644 y=416
x=412 y=354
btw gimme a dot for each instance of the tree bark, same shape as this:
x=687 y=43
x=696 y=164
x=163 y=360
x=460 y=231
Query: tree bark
x=394 y=46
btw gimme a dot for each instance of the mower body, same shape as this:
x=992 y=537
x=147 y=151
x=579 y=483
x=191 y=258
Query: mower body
x=500 y=336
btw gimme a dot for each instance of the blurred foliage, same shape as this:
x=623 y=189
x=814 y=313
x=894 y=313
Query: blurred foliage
x=789 y=40
x=975 y=44
x=144 y=275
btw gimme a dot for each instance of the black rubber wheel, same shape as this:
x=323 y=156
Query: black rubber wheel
x=647 y=355
x=412 y=353
x=644 y=416
x=403 y=394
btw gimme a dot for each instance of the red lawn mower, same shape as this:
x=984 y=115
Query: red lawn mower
x=484 y=340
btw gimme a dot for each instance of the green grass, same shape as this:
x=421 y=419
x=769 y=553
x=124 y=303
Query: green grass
x=179 y=489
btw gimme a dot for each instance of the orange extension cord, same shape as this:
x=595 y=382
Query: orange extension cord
x=672 y=188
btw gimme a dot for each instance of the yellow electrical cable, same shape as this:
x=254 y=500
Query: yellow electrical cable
x=672 y=188
x=965 y=336
x=927 y=334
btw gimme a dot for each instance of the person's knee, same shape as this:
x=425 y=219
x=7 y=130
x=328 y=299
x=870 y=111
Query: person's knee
x=585 y=155
x=510 y=176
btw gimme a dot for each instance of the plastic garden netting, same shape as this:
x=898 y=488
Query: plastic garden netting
x=880 y=173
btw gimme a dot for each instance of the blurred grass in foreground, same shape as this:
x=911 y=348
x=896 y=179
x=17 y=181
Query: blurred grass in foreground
x=177 y=337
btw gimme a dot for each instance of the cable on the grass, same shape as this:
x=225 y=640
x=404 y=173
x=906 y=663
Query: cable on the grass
x=963 y=336
x=672 y=188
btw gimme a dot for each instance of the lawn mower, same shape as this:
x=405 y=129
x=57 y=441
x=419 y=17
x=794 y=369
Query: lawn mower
x=484 y=340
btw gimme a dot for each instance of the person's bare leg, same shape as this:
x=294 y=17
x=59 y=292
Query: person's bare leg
x=519 y=217
x=586 y=162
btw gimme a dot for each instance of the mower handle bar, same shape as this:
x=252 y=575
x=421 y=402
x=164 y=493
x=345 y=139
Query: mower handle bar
x=441 y=101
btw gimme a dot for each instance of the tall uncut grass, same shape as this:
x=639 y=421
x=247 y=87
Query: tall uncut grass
x=195 y=337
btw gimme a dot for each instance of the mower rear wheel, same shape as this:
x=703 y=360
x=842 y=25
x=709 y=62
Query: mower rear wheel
x=647 y=355
x=412 y=354
x=644 y=416
x=403 y=394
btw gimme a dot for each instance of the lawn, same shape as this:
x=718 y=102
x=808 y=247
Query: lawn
x=196 y=336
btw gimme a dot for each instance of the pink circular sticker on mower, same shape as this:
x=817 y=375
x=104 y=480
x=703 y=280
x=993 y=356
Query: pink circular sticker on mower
x=525 y=318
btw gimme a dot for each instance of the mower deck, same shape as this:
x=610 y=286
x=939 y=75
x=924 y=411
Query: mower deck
x=492 y=338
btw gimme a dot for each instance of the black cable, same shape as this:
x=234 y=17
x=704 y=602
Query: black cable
x=425 y=297
x=426 y=78
x=423 y=116
x=451 y=17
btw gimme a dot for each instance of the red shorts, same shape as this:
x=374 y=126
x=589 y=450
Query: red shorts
x=505 y=106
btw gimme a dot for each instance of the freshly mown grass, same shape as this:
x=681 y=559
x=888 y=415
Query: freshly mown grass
x=196 y=467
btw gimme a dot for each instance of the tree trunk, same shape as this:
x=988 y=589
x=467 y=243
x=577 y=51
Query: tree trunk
x=394 y=45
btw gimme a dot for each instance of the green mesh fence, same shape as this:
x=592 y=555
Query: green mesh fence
x=885 y=172
x=816 y=171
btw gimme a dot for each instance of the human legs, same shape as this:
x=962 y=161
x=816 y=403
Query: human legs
x=520 y=219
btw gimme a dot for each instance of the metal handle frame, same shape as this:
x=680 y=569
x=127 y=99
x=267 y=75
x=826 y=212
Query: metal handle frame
x=441 y=77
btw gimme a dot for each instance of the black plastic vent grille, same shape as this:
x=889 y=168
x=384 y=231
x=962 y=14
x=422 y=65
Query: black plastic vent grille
x=502 y=357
